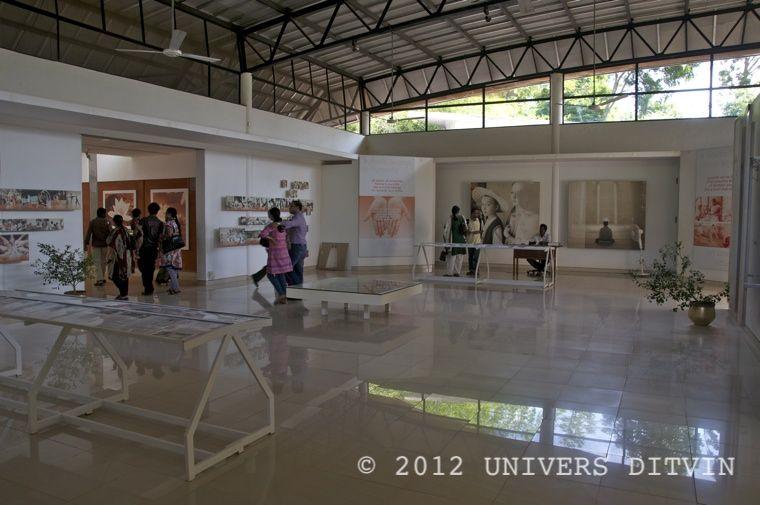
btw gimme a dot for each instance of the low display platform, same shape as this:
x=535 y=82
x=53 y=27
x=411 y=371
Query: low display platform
x=348 y=290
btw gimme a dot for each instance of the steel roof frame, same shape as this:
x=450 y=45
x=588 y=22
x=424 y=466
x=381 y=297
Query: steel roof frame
x=545 y=51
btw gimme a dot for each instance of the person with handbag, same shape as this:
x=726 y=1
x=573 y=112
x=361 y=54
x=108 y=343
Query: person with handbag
x=455 y=232
x=274 y=238
x=171 y=249
x=120 y=257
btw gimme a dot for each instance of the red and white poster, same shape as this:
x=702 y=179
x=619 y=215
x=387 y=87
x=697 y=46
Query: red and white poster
x=386 y=206
x=712 y=212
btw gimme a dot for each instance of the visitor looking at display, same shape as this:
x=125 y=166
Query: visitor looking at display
x=455 y=232
x=273 y=236
x=95 y=243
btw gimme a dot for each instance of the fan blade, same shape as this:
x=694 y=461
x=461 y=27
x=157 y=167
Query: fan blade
x=139 y=51
x=201 y=58
x=178 y=36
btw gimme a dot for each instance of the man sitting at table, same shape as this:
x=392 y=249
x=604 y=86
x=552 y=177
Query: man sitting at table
x=542 y=238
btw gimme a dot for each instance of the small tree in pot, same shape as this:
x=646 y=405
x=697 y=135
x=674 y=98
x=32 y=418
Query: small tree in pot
x=673 y=278
x=67 y=267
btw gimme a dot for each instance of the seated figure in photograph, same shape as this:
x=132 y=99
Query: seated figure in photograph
x=541 y=238
x=605 y=237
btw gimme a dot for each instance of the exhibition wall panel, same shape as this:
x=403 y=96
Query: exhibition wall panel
x=341 y=217
x=454 y=180
x=37 y=159
x=229 y=174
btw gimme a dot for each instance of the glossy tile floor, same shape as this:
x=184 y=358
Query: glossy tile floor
x=455 y=374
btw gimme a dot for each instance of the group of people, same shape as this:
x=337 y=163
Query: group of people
x=285 y=242
x=147 y=243
x=475 y=231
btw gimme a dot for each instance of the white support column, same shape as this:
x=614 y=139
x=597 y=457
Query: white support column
x=92 y=179
x=364 y=123
x=556 y=84
x=246 y=98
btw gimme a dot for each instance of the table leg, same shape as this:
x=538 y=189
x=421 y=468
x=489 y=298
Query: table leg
x=345 y=307
x=40 y=379
x=387 y=308
x=200 y=406
x=366 y=312
x=106 y=344
x=323 y=309
x=16 y=351
x=554 y=265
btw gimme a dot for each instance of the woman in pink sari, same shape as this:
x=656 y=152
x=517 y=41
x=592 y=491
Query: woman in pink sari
x=278 y=260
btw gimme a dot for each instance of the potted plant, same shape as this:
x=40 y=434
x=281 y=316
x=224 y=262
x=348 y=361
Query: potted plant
x=67 y=267
x=673 y=278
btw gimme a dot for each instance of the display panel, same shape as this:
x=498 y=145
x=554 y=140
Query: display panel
x=386 y=206
x=39 y=199
x=510 y=210
x=43 y=224
x=120 y=202
x=606 y=214
x=263 y=203
x=236 y=237
x=179 y=199
x=14 y=248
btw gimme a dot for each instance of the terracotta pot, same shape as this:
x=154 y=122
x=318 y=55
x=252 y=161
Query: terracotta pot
x=702 y=314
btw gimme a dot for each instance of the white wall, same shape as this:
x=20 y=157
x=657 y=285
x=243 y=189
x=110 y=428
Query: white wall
x=631 y=136
x=178 y=165
x=38 y=159
x=453 y=183
x=226 y=174
x=108 y=100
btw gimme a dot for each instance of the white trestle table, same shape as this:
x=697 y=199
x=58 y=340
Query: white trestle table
x=546 y=281
x=108 y=321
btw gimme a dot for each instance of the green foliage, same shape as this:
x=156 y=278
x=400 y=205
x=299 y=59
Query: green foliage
x=64 y=267
x=673 y=278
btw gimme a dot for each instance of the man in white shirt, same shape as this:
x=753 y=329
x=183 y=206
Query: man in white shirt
x=542 y=238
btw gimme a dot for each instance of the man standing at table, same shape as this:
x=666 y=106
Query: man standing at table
x=296 y=228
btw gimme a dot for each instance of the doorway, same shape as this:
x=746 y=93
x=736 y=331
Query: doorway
x=121 y=175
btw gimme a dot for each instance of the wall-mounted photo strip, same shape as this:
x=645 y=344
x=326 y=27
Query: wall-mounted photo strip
x=120 y=202
x=253 y=220
x=291 y=193
x=606 y=214
x=14 y=248
x=262 y=204
x=299 y=185
x=42 y=224
x=236 y=237
x=39 y=199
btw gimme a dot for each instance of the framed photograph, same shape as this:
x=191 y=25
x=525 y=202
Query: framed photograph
x=283 y=183
x=179 y=198
x=14 y=248
x=510 y=210
x=120 y=202
x=606 y=214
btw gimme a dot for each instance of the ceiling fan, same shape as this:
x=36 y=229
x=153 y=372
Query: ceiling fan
x=173 y=51
x=393 y=120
